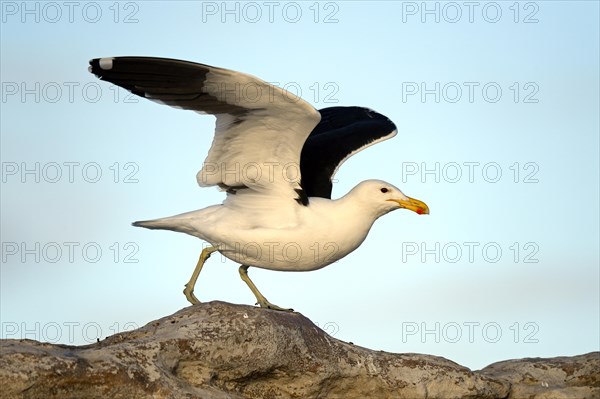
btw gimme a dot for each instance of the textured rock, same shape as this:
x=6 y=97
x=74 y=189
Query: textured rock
x=555 y=378
x=219 y=350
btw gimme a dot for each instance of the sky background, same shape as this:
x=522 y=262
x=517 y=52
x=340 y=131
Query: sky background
x=498 y=132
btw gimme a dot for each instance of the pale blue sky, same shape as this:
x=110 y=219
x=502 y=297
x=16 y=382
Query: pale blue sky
x=538 y=297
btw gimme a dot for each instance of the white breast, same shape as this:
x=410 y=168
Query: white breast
x=316 y=236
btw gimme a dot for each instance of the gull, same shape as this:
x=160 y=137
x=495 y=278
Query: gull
x=275 y=156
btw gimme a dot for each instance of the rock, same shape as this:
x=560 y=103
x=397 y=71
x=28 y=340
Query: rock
x=218 y=350
x=556 y=378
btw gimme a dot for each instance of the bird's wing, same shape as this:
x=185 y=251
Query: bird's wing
x=260 y=128
x=341 y=133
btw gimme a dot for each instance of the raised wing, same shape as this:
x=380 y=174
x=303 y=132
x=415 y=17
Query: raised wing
x=341 y=133
x=260 y=128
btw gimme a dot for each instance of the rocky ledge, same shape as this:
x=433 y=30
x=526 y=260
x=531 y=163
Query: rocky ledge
x=220 y=350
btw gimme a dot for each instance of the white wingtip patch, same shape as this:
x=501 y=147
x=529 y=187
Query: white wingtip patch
x=106 y=63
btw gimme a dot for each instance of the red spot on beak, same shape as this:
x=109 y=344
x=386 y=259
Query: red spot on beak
x=419 y=211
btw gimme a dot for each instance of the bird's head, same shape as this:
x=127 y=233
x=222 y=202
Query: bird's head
x=384 y=197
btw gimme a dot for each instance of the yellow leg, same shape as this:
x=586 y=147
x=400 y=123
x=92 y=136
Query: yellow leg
x=188 y=291
x=261 y=300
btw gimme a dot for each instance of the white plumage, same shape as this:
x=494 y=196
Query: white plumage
x=275 y=156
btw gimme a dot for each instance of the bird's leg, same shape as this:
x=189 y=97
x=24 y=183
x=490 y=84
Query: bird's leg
x=188 y=291
x=261 y=300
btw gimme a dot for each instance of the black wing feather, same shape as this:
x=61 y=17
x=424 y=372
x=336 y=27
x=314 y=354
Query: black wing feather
x=173 y=82
x=341 y=131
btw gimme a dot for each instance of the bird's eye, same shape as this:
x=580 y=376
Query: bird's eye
x=384 y=190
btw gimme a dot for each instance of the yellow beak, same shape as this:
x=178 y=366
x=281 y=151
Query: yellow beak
x=413 y=204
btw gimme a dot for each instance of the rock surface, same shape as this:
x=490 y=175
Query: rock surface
x=218 y=350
